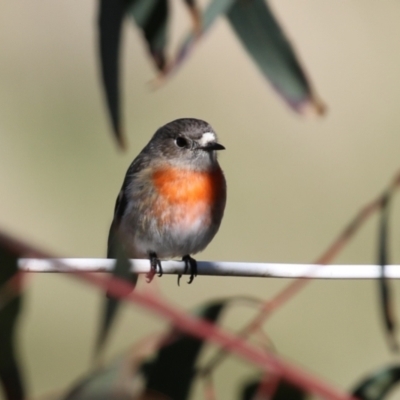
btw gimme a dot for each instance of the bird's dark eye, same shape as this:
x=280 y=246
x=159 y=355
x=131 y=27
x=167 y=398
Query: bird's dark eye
x=180 y=141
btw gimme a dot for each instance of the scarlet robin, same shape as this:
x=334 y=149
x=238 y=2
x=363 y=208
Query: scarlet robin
x=173 y=196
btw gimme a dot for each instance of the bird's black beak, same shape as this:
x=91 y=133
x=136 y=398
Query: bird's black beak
x=213 y=146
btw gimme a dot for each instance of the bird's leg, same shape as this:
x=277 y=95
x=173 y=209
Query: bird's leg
x=155 y=265
x=190 y=265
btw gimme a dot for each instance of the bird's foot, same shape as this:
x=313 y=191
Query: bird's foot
x=155 y=265
x=190 y=265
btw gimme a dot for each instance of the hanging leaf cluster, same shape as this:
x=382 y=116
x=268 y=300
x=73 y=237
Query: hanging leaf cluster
x=252 y=21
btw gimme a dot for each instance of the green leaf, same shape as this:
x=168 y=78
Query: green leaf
x=195 y=14
x=190 y=3
x=121 y=270
x=387 y=306
x=264 y=39
x=117 y=380
x=378 y=385
x=215 y=9
x=283 y=391
x=10 y=373
x=111 y=15
x=111 y=382
x=152 y=17
x=172 y=371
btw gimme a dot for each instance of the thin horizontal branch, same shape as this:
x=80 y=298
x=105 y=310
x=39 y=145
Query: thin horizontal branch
x=265 y=270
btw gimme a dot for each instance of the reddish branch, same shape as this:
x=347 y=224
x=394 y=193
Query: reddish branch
x=194 y=326
x=297 y=285
x=325 y=258
x=267 y=361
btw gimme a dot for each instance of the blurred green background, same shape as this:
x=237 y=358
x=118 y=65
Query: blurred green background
x=292 y=183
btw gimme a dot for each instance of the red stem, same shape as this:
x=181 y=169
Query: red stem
x=205 y=330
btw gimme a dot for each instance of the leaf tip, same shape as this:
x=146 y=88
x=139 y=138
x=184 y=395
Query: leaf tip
x=196 y=17
x=313 y=107
x=121 y=141
x=393 y=344
x=197 y=22
x=158 y=81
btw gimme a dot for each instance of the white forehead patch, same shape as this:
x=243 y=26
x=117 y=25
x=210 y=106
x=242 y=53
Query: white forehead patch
x=207 y=137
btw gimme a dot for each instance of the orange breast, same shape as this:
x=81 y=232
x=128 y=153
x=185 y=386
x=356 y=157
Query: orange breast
x=186 y=195
x=182 y=186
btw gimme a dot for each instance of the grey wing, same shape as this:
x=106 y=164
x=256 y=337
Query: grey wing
x=119 y=210
x=121 y=203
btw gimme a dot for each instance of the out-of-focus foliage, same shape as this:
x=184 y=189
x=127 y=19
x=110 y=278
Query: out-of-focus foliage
x=387 y=305
x=10 y=305
x=379 y=384
x=252 y=21
x=169 y=373
x=281 y=390
x=121 y=270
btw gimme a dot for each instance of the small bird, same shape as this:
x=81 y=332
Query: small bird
x=173 y=197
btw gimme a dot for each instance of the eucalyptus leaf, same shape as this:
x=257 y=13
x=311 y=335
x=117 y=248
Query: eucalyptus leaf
x=170 y=372
x=152 y=16
x=10 y=370
x=121 y=270
x=283 y=391
x=215 y=9
x=378 y=385
x=173 y=369
x=387 y=305
x=111 y=15
x=111 y=382
x=266 y=42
